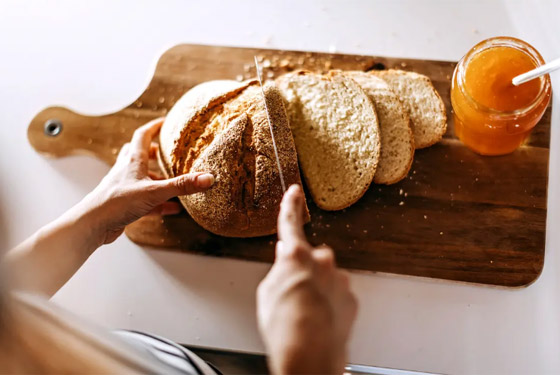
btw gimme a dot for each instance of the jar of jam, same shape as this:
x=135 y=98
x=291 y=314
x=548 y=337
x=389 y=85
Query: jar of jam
x=492 y=116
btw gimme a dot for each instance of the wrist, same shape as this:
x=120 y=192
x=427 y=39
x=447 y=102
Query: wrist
x=85 y=222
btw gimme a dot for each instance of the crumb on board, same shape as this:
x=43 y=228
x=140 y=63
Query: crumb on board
x=401 y=203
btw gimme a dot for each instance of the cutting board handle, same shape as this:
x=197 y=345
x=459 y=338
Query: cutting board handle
x=58 y=131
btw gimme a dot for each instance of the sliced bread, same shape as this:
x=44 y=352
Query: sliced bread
x=397 y=140
x=336 y=133
x=422 y=102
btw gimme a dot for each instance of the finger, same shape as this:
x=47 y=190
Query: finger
x=143 y=136
x=290 y=218
x=324 y=258
x=186 y=184
x=124 y=151
x=300 y=251
x=167 y=208
x=154 y=150
x=155 y=175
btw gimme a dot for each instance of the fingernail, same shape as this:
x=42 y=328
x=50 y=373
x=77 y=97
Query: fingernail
x=205 y=180
x=294 y=188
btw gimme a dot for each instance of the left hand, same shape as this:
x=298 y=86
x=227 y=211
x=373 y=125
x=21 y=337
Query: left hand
x=129 y=191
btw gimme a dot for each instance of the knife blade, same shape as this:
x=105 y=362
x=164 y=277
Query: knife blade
x=280 y=172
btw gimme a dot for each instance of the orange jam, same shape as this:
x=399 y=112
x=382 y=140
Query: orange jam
x=492 y=116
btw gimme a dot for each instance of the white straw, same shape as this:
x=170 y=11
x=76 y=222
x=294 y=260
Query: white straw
x=537 y=72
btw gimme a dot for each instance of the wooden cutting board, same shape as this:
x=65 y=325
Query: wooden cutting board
x=457 y=216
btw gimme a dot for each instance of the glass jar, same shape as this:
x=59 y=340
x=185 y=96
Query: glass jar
x=493 y=117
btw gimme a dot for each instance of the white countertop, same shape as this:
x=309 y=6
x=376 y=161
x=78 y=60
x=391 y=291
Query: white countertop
x=97 y=57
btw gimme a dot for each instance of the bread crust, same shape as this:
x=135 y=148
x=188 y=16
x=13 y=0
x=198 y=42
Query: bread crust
x=228 y=136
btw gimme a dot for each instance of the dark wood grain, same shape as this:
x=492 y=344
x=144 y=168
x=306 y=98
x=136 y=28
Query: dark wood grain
x=458 y=215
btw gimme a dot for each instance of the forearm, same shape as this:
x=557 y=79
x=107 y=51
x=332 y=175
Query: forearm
x=47 y=260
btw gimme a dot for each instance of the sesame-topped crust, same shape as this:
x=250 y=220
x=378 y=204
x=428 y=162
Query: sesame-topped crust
x=229 y=136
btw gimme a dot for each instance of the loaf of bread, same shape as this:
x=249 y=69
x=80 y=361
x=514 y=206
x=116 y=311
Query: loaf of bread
x=221 y=127
x=422 y=102
x=336 y=133
x=397 y=140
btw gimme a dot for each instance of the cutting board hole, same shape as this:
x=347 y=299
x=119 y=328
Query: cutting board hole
x=53 y=127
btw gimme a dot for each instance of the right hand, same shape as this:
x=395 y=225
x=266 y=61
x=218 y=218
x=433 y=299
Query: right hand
x=305 y=307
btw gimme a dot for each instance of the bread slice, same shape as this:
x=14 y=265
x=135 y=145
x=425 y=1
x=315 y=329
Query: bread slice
x=397 y=140
x=336 y=133
x=422 y=102
x=223 y=129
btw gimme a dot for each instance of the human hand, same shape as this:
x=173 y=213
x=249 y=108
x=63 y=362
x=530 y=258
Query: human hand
x=130 y=191
x=305 y=308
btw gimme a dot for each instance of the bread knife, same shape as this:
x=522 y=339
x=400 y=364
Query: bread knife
x=259 y=76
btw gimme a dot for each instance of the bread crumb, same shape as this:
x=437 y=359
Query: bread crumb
x=328 y=225
x=401 y=192
x=365 y=230
x=491 y=261
x=270 y=74
x=314 y=234
x=403 y=64
x=401 y=203
x=441 y=233
x=266 y=63
x=284 y=63
x=406 y=195
x=347 y=225
x=425 y=217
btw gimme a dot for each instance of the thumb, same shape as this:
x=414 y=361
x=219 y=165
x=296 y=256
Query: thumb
x=186 y=184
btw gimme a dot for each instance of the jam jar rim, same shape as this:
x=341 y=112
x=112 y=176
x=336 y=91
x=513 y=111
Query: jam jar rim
x=503 y=41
